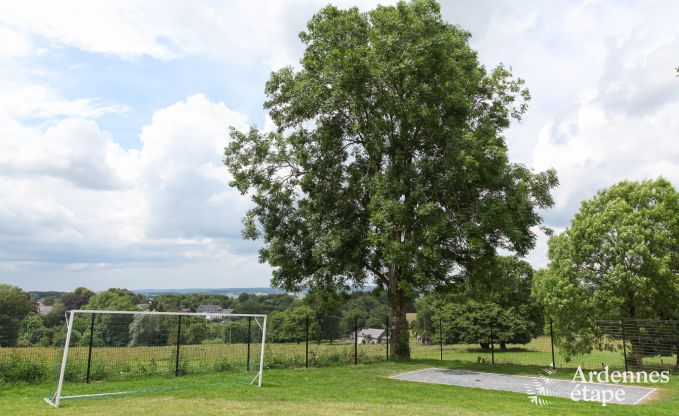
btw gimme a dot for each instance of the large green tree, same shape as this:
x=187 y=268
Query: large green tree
x=618 y=259
x=114 y=330
x=15 y=305
x=388 y=163
x=497 y=294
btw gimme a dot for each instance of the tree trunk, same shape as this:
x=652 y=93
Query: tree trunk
x=399 y=346
x=503 y=345
x=637 y=354
x=485 y=345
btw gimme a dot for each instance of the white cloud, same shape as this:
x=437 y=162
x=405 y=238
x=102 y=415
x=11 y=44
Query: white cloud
x=171 y=204
x=625 y=127
x=77 y=203
x=239 y=31
x=182 y=173
x=13 y=44
x=72 y=149
x=31 y=100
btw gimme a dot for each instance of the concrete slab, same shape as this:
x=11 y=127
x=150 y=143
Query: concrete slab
x=542 y=386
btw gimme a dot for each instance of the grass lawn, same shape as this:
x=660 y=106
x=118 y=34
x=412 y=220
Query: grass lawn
x=347 y=390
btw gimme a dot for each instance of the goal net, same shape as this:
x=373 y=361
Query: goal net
x=107 y=348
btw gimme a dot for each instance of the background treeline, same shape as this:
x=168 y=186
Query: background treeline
x=496 y=298
x=330 y=317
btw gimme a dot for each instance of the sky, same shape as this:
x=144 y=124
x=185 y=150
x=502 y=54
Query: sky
x=114 y=116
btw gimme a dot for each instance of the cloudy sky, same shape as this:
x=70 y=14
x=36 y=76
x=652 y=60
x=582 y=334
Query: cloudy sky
x=114 y=115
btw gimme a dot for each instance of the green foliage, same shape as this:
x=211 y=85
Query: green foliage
x=389 y=161
x=196 y=333
x=76 y=299
x=15 y=305
x=474 y=322
x=150 y=330
x=56 y=316
x=618 y=259
x=294 y=323
x=245 y=303
x=498 y=293
x=33 y=331
x=15 y=368
x=113 y=329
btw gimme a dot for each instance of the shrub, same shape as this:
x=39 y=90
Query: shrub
x=15 y=368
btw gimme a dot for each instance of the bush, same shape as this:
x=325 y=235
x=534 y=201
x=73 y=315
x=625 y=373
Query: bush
x=15 y=368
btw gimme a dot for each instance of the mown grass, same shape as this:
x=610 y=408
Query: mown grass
x=348 y=390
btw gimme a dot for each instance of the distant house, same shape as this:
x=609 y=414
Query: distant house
x=44 y=309
x=212 y=309
x=371 y=336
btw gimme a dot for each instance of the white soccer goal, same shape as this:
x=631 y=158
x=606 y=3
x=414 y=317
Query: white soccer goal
x=121 y=345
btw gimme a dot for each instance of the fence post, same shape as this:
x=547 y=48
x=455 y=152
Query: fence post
x=356 y=341
x=387 y=336
x=551 y=337
x=306 y=360
x=624 y=347
x=179 y=340
x=89 y=350
x=492 y=344
x=441 y=336
x=249 y=340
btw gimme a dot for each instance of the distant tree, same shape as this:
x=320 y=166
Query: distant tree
x=149 y=330
x=294 y=324
x=33 y=331
x=56 y=316
x=618 y=259
x=497 y=292
x=166 y=303
x=388 y=162
x=196 y=332
x=15 y=305
x=328 y=307
x=423 y=326
x=48 y=300
x=483 y=322
x=113 y=329
x=76 y=299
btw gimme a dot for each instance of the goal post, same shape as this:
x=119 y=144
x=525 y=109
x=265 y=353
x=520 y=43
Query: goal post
x=101 y=345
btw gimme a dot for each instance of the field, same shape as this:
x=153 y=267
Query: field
x=123 y=362
x=345 y=390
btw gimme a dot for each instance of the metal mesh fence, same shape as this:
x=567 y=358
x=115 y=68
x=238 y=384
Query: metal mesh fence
x=621 y=344
x=120 y=347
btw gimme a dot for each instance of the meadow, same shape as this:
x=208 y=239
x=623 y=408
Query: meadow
x=346 y=390
x=108 y=363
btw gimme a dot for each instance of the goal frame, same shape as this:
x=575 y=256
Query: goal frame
x=56 y=399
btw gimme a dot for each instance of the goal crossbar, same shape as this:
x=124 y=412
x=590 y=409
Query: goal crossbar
x=56 y=399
